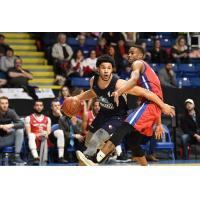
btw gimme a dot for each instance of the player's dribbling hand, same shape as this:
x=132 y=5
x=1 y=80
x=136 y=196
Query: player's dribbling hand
x=159 y=132
x=168 y=110
x=116 y=97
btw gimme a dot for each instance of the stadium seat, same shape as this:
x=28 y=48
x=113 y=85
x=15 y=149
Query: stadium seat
x=165 y=43
x=185 y=82
x=195 y=81
x=91 y=42
x=168 y=144
x=5 y=154
x=188 y=70
x=164 y=34
x=80 y=82
x=72 y=41
x=155 y=66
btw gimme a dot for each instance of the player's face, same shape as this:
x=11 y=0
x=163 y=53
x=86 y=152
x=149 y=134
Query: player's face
x=105 y=71
x=96 y=107
x=55 y=106
x=134 y=54
x=4 y=105
x=38 y=107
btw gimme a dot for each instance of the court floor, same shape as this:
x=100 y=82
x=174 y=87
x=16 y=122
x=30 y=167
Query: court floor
x=159 y=163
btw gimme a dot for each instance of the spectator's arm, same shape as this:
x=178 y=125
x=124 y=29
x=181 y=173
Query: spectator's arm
x=27 y=125
x=173 y=80
x=17 y=122
x=49 y=126
x=70 y=52
x=27 y=74
x=55 y=52
x=15 y=74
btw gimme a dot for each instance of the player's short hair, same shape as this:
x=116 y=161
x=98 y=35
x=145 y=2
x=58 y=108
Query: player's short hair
x=105 y=58
x=139 y=48
x=38 y=100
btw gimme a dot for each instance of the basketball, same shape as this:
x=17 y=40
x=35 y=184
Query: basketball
x=71 y=106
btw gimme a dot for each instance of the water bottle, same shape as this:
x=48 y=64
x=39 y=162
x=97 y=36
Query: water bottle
x=5 y=161
x=163 y=138
x=180 y=84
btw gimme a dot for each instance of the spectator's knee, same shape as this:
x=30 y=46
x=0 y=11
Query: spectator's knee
x=58 y=133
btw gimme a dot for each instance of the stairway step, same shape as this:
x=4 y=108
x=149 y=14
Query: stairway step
x=42 y=74
x=11 y=41
x=24 y=47
x=40 y=61
x=47 y=80
x=39 y=67
x=50 y=86
x=29 y=53
x=17 y=35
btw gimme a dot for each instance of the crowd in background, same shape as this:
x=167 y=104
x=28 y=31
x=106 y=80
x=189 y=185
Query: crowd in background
x=79 y=60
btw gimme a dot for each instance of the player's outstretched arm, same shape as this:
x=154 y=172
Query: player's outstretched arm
x=139 y=91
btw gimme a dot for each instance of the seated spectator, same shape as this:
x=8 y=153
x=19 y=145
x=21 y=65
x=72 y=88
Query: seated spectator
x=147 y=55
x=91 y=114
x=158 y=54
x=90 y=64
x=7 y=61
x=101 y=47
x=112 y=52
x=77 y=134
x=64 y=93
x=122 y=52
x=179 y=51
x=125 y=74
x=130 y=38
x=3 y=79
x=112 y=38
x=37 y=126
x=190 y=124
x=77 y=64
x=11 y=129
x=82 y=46
x=3 y=46
x=167 y=76
x=195 y=53
x=59 y=129
x=61 y=53
x=18 y=78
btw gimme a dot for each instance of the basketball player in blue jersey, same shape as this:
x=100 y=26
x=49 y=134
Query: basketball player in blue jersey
x=111 y=115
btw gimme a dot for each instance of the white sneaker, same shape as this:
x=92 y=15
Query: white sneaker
x=81 y=157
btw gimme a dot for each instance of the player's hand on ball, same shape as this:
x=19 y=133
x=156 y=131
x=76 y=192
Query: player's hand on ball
x=168 y=110
x=116 y=97
x=159 y=132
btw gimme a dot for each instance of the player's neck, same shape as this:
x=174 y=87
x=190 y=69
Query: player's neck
x=104 y=84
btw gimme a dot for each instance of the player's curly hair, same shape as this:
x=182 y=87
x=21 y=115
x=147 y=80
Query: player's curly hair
x=105 y=58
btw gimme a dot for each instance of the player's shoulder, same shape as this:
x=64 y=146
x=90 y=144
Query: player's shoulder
x=138 y=62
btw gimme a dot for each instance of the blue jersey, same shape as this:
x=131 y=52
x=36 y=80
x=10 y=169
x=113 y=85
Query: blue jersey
x=107 y=104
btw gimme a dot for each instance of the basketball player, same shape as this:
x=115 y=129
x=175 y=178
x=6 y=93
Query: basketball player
x=139 y=123
x=111 y=116
x=36 y=125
